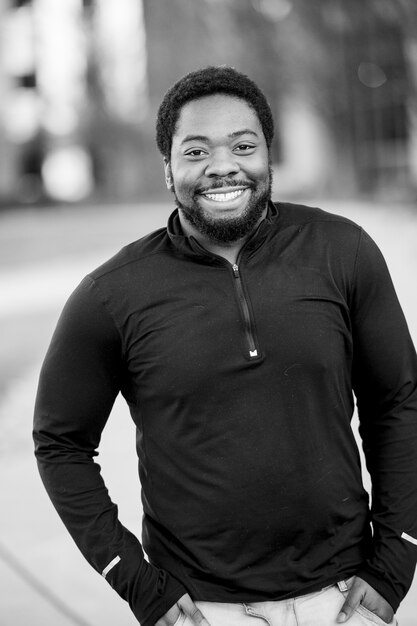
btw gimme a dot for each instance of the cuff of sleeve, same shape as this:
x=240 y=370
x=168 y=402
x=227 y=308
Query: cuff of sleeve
x=170 y=597
x=382 y=586
x=149 y=590
x=158 y=592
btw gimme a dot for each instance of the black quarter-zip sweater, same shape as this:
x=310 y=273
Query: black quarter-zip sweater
x=240 y=381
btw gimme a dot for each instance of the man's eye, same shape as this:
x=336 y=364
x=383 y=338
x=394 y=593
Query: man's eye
x=195 y=152
x=244 y=147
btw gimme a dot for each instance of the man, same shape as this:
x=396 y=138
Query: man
x=237 y=336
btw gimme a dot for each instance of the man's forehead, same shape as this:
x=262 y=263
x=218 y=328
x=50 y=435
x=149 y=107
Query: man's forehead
x=216 y=111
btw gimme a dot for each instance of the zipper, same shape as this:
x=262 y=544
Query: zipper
x=244 y=307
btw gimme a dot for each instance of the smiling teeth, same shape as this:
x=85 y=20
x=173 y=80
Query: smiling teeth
x=224 y=197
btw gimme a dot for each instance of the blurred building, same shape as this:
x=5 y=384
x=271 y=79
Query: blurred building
x=72 y=84
x=81 y=80
x=19 y=104
x=43 y=63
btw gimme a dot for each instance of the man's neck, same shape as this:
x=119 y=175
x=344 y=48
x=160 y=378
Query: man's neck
x=229 y=251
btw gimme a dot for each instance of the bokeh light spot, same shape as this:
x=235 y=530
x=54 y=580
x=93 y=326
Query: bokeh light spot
x=275 y=10
x=371 y=75
x=22 y=115
x=67 y=174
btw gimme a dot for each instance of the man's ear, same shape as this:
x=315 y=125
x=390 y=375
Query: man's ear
x=168 y=175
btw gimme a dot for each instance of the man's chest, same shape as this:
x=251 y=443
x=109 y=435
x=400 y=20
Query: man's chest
x=211 y=321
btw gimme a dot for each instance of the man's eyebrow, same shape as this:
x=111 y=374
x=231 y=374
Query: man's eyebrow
x=194 y=138
x=245 y=131
x=236 y=133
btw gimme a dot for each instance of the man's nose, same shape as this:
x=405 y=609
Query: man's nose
x=222 y=163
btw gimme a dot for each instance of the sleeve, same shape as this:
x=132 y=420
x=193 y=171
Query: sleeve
x=80 y=379
x=385 y=386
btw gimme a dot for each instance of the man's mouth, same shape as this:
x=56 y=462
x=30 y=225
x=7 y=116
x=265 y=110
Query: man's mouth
x=224 y=193
x=220 y=196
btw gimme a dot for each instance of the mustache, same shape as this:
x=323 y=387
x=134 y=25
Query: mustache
x=218 y=183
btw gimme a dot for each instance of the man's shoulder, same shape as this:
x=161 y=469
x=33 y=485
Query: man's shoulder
x=301 y=214
x=133 y=255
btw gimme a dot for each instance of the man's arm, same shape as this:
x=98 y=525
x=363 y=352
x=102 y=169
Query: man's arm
x=385 y=385
x=81 y=376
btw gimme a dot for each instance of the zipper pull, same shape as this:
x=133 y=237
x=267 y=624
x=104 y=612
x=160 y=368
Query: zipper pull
x=235 y=269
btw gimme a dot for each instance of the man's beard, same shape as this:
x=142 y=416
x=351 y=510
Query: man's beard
x=229 y=229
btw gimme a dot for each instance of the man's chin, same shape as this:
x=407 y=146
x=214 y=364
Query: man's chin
x=224 y=226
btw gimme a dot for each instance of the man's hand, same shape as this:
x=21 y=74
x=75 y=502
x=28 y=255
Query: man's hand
x=362 y=593
x=184 y=605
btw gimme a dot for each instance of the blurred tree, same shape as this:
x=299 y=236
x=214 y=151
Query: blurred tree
x=115 y=119
x=348 y=61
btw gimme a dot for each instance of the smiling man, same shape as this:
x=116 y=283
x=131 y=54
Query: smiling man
x=220 y=164
x=238 y=335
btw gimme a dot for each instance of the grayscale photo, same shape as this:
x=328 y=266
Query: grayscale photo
x=208 y=308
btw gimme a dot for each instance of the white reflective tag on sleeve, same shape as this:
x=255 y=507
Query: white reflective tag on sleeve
x=110 y=566
x=409 y=538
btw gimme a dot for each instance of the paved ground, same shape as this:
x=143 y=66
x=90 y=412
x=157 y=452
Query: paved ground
x=44 y=581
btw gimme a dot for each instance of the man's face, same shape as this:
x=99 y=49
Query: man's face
x=220 y=167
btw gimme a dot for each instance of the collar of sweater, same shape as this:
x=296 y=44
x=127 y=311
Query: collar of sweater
x=189 y=246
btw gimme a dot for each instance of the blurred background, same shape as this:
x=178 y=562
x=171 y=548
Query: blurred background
x=80 y=176
x=80 y=82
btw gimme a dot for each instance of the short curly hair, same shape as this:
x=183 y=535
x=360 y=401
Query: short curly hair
x=205 y=82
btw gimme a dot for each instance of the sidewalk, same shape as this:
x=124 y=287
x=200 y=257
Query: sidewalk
x=44 y=579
